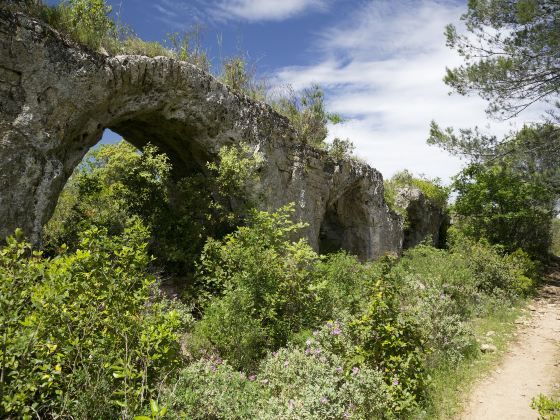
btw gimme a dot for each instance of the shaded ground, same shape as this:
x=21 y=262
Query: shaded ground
x=530 y=367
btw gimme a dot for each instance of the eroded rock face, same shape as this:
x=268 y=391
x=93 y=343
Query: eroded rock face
x=56 y=99
x=424 y=219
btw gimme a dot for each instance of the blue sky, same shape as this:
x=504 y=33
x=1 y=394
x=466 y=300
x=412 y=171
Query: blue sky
x=380 y=62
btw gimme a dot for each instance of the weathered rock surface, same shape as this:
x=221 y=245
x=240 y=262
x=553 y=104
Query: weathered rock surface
x=56 y=99
x=423 y=218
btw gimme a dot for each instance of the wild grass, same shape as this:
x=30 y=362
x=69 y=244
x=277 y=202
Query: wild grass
x=452 y=384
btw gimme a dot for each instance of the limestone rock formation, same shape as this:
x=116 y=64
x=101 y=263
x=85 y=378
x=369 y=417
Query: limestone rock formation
x=57 y=98
x=423 y=218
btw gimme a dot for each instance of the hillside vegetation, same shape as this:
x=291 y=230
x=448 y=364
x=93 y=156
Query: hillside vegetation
x=142 y=304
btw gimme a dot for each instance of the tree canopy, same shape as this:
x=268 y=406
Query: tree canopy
x=511 y=52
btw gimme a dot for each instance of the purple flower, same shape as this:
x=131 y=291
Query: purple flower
x=396 y=382
x=307 y=351
x=213 y=368
x=317 y=351
x=315 y=333
x=219 y=360
x=355 y=370
x=286 y=363
x=324 y=400
x=336 y=331
x=275 y=354
x=308 y=342
x=339 y=370
x=347 y=415
x=252 y=377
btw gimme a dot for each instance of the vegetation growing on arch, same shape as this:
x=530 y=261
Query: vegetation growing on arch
x=117 y=182
x=431 y=188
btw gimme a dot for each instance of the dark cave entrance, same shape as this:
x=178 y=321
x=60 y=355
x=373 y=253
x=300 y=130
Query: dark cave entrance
x=347 y=225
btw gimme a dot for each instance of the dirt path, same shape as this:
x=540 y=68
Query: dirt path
x=531 y=365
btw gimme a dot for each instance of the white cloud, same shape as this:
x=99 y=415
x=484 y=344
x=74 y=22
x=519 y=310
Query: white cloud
x=259 y=10
x=384 y=67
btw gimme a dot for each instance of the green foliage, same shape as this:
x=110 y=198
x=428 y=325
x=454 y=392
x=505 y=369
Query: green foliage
x=86 y=21
x=188 y=47
x=308 y=115
x=83 y=334
x=431 y=188
x=266 y=287
x=385 y=339
x=312 y=383
x=236 y=169
x=213 y=389
x=348 y=281
x=292 y=383
x=341 y=149
x=117 y=182
x=548 y=408
x=497 y=203
x=510 y=53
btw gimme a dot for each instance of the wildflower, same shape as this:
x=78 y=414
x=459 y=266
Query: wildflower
x=308 y=342
x=317 y=351
x=264 y=381
x=336 y=331
x=286 y=363
x=347 y=415
x=355 y=370
x=339 y=370
x=315 y=333
x=252 y=377
x=275 y=354
x=324 y=400
x=396 y=382
x=307 y=351
x=213 y=368
x=291 y=403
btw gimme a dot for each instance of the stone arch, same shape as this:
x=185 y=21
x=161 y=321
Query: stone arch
x=56 y=98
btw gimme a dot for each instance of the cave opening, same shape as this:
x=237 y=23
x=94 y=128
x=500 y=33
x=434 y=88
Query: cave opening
x=347 y=225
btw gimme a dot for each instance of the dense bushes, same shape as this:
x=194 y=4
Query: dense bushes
x=85 y=333
x=281 y=331
x=265 y=285
x=117 y=182
x=498 y=203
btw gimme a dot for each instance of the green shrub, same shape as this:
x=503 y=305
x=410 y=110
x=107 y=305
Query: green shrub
x=499 y=204
x=84 y=334
x=307 y=114
x=213 y=389
x=117 y=182
x=312 y=383
x=292 y=383
x=260 y=268
x=496 y=272
x=348 y=281
x=437 y=289
x=386 y=340
x=341 y=149
x=548 y=408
